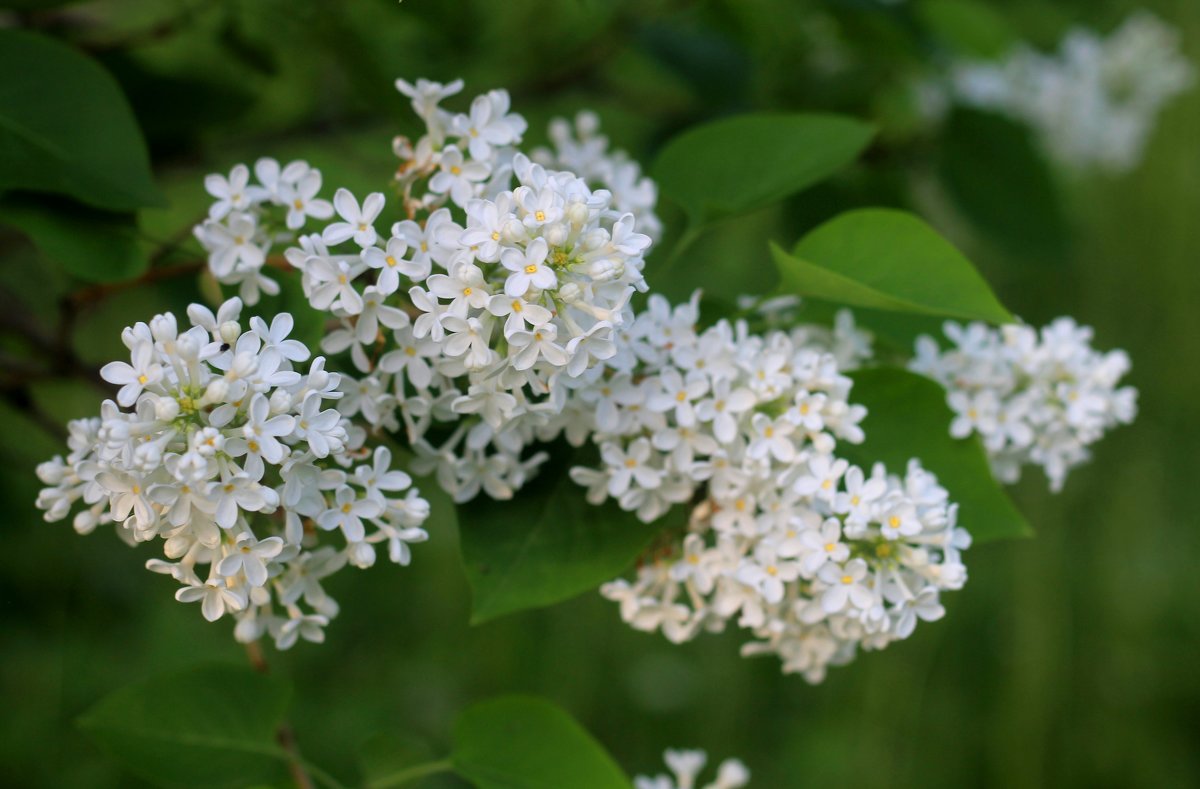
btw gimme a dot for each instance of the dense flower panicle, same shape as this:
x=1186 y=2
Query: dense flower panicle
x=1093 y=103
x=1034 y=397
x=220 y=444
x=686 y=767
x=502 y=283
x=809 y=554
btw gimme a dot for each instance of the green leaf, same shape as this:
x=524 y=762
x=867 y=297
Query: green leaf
x=888 y=260
x=907 y=417
x=94 y=245
x=969 y=27
x=734 y=165
x=547 y=544
x=212 y=726
x=1001 y=182
x=517 y=742
x=65 y=127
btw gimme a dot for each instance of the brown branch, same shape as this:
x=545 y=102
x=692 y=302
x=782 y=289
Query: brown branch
x=284 y=734
x=94 y=293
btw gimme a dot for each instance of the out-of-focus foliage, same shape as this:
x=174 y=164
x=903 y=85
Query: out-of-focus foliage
x=1066 y=661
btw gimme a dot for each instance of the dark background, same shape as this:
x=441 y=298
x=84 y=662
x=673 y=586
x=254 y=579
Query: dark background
x=1068 y=660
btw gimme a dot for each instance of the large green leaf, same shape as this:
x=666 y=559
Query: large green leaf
x=212 y=726
x=65 y=127
x=734 y=165
x=94 y=245
x=907 y=417
x=547 y=544
x=517 y=742
x=888 y=260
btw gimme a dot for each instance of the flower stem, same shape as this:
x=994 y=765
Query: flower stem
x=302 y=771
x=410 y=774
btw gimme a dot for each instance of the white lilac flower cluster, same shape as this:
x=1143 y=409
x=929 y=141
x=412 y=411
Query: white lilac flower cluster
x=219 y=444
x=504 y=281
x=1093 y=103
x=686 y=766
x=811 y=555
x=1034 y=397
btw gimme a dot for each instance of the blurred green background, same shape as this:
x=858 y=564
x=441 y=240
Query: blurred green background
x=1068 y=660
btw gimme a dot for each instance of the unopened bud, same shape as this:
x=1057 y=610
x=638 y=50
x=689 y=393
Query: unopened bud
x=230 y=331
x=166 y=409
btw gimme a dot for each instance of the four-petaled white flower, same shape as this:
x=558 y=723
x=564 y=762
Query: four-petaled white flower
x=358 y=221
x=529 y=269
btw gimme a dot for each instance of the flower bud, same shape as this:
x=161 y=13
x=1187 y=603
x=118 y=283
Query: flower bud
x=577 y=214
x=166 y=408
x=595 y=238
x=513 y=231
x=361 y=554
x=163 y=328
x=230 y=331
x=177 y=546
x=216 y=391
x=604 y=269
x=571 y=293
x=187 y=348
x=280 y=402
x=248 y=629
x=555 y=234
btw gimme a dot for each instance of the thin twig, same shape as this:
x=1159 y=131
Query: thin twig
x=286 y=736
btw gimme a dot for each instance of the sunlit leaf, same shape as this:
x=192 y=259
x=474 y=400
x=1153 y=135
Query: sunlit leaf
x=888 y=260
